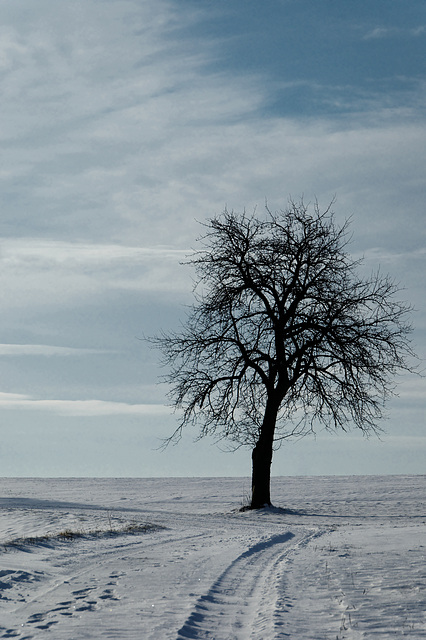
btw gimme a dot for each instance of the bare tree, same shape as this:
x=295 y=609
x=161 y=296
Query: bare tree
x=284 y=335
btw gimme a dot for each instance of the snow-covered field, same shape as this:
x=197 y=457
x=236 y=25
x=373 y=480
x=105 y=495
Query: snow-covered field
x=339 y=557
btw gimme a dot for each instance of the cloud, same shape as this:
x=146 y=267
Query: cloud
x=127 y=132
x=412 y=389
x=379 y=254
x=52 y=272
x=104 y=106
x=80 y=407
x=390 y=32
x=45 y=350
x=381 y=32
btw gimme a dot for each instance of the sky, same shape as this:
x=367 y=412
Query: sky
x=124 y=125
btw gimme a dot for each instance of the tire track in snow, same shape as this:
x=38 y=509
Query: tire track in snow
x=246 y=600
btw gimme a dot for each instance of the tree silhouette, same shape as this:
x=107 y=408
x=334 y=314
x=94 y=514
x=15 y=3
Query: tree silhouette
x=284 y=335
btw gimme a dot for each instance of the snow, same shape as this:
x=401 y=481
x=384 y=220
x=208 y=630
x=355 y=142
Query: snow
x=174 y=558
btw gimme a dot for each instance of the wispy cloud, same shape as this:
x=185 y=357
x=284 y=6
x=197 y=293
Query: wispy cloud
x=112 y=115
x=391 y=32
x=384 y=256
x=125 y=131
x=80 y=407
x=45 y=272
x=46 y=350
x=412 y=389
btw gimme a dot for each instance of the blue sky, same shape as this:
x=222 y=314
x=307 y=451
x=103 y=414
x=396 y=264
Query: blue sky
x=126 y=122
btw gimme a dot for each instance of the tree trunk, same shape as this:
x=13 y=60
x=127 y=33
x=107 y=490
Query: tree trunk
x=262 y=459
x=261 y=476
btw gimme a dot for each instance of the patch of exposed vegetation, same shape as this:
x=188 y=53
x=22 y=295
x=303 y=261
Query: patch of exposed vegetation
x=70 y=535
